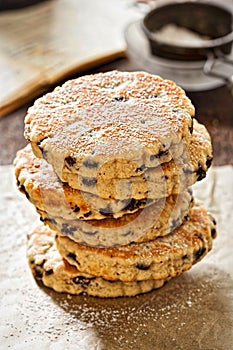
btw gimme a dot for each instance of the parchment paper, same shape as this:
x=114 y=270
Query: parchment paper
x=193 y=311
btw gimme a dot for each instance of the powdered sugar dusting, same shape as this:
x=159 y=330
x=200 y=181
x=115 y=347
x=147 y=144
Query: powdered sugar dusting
x=180 y=36
x=109 y=114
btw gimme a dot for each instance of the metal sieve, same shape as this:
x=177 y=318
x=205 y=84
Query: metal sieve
x=204 y=18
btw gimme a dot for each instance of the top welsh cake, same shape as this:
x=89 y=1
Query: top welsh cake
x=129 y=119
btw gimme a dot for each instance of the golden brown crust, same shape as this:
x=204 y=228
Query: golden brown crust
x=37 y=180
x=48 y=266
x=198 y=221
x=161 y=258
x=158 y=219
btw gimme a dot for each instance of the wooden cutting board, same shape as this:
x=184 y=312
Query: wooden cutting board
x=42 y=44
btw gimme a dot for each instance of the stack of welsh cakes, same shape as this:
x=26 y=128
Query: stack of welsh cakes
x=109 y=168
